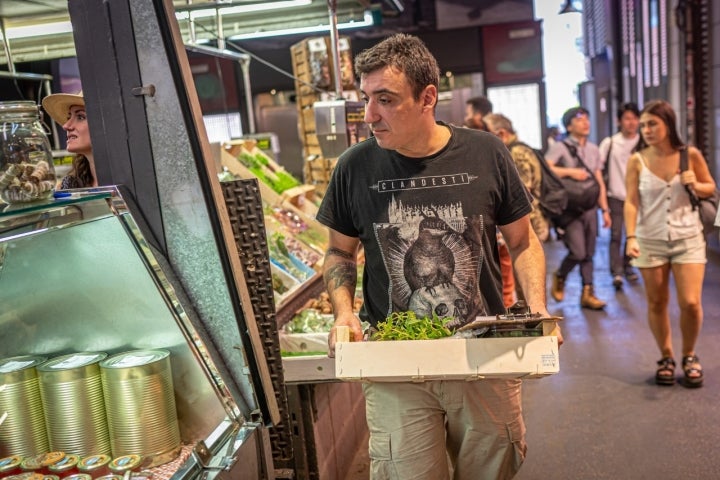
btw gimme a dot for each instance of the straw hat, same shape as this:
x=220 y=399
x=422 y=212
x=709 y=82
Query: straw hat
x=58 y=105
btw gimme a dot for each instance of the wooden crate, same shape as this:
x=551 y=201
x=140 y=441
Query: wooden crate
x=449 y=359
x=313 y=65
x=317 y=172
x=300 y=199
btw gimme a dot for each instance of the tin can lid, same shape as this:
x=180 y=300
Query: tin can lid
x=20 y=368
x=8 y=463
x=135 y=358
x=93 y=462
x=126 y=462
x=78 y=476
x=69 y=462
x=72 y=361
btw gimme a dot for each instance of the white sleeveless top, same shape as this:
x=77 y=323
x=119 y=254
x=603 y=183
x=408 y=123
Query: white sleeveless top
x=665 y=209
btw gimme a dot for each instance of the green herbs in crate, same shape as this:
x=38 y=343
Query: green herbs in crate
x=407 y=326
x=268 y=171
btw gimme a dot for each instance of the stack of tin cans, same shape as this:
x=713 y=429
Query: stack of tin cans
x=90 y=404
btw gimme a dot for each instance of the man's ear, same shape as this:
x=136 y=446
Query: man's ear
x=429 y=97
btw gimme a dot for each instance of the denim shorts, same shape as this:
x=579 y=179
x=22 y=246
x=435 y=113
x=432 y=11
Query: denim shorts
x=654 y=253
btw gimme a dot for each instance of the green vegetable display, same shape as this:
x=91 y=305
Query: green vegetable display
x=282 y=258
x=278 y=180
x=407 y=326
x=308 y=321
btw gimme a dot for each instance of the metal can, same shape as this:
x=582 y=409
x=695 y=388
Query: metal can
x=66 y=466
x=10 y=465
x=95 y=465
x=23 y=430
x=41 y=463
x=72 y=397
x=138 y=422
x=78 y=476
x=132 y=463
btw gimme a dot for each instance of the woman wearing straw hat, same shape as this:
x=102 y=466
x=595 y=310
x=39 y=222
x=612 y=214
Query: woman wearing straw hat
x=69 y=111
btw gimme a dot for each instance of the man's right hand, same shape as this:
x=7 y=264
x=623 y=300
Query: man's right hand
x=349 y=320
x=580 y=174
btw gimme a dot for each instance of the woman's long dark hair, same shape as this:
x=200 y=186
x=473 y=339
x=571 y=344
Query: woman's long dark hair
x=81 y=170
x=663 y=110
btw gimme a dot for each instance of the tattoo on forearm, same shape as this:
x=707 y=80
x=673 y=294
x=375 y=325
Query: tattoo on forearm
x=341 y=275
x=338 y=253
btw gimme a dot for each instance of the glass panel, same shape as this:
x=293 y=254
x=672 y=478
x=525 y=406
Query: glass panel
x=78 y=276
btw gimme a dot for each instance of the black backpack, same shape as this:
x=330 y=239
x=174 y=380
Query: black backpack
x=553 y=197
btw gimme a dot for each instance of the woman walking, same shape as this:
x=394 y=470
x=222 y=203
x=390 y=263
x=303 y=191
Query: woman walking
x=664 y=235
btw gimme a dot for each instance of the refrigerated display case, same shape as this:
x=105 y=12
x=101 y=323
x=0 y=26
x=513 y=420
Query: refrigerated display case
x=77 y=275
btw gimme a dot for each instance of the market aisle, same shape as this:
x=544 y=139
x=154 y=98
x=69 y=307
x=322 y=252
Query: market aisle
x=602 y=416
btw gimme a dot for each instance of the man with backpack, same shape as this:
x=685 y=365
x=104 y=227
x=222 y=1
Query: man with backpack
x=578 y=164
x=528 y=165
x=615 y=152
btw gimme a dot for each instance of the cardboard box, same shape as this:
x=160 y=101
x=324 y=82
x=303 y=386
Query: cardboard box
x=447 y=359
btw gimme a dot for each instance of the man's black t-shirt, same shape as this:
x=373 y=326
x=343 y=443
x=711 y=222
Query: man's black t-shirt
x=428 y=225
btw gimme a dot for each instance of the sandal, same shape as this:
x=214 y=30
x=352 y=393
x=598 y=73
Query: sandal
x=693 y=371
x=665 y=374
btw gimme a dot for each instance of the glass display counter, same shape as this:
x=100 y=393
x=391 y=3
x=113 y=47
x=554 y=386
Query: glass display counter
x=76 y=275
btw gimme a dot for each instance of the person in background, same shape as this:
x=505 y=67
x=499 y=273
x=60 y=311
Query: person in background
x=475 y=109
x=69 y=111
x=553 y=136
x=664 y=234
x=527 y=164
x=580 y=234
x=615 y=151
x=424 y=198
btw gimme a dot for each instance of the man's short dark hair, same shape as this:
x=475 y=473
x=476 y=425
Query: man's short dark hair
x=480 y=105
x=572 y=113
x=628 y=107
x=406 y=53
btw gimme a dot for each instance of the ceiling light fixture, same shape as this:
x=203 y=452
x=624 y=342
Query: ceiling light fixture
x=368 y=21
x=38 y=30
x=237 y=9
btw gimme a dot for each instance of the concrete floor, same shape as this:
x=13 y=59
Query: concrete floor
x=602 y=416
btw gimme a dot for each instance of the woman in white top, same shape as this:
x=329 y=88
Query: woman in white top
x=664 y=234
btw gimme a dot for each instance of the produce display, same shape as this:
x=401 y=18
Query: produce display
x=307 y=332
x=313 y=237
x=283 y=258
x=267 y=171
x=310 y=321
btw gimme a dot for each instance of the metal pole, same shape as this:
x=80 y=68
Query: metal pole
x=335 y=48
x=53 y=125
x=6 y=46
x=220 y=34
x=245 y=65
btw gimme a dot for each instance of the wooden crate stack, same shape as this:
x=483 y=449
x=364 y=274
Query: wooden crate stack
x=312 y=67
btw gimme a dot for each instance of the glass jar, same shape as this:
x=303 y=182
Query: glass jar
x=27 y=172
